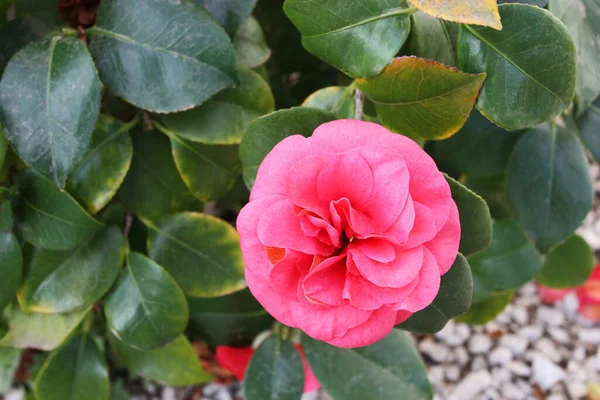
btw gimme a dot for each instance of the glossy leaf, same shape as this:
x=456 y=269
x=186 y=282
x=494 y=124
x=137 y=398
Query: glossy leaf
x=434 y=39
x=275 y=372
x=40 y=331
x=75 y=371
x=18 y=33
x=201 y=252
x=224 y=118
x=486 y=309
x=589 y=124
x=48 y=217
x=493 y=191
x=9 y=362
x=548 y=169
x=479 y=150
x=233 y=320
x=11 y=268
x=175 y=364
x=530 y=80
x=338 y=100
x=97 y=177
x=475 y=219
x=146 y=309
x=358 y=40
x=3 y=147
x=230 y=14
x=539 y=3
x=391 y=366
x=47 y=116
x=265 y=132
x=509 y=262
x=249 y=43
x=582 y=19
x=422 y=99
x=6 y=217
x=478 y=12
x=568 y=265
x=186 y=56
x=61 y=281
x=45 y=10
x=453 y=299
x=153 y=187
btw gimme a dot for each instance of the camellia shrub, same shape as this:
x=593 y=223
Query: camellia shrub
x=331 y=172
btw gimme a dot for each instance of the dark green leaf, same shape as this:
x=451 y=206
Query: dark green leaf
x=391 y=366
x=175 y=364
x=186 y=56
x=275 y=372
x=118 y=391
x=493 y=191
x=11 y=268
x=582 y=18
x=568 y=265
x=475 y=219
x=153 y=186
x=96 y=178
x=224 y=118
x=530 y=80
x=249 y=43
x=48 y=117
x=48 y=217
x=453 y=299
x=539 y=3
x=265 y=132
x=509 y=262
x=76 y=371
x=358 y=40
x=61 y=281
x=434 y=39
x=18 y=33
x=9 y=362
x=6 y=217
x=486 y=309
x=548 y=184
x=589 y=126
x=3 y=147
x=146 y=309
x=480 y=149
x=45 y=10
x=233 y=320
x=422 y=99
x=230 y=14
x=338 y=100
x=40 y=331
x=201 y=252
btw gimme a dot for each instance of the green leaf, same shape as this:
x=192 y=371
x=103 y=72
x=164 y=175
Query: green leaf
x=175 y=364
x=530 y=80
x=18 y=33
x=6 y=217
x=47 y=117
x=548 y=184
x=582 y=19
x=391 y=366
x=118 y=391
x=265 y=132
x=153 y=187
x=475 y=219
x=249 y=43
x=479 y=150
x=11 y=268
x=486 y=309
x=186 y=56
x=338 y=100
x=61 y=281
x=45 y=10
x=510 y=261
x=9 y=362
x=233 y=320
x=539 y=3
x=229 y=13
x=3 y=147
x=275 y=372
x=493 y=191
x=48 y=217
x=201 y=252
x=434 y=39
x=224 y=118
x=568 y=265
x=589 y=124
x=422 y=99
x=453 y=299
x=478 y=12
x=358 y=40
x=146 y=309
x=40 y=331
x=97 y=177
x=75 y=371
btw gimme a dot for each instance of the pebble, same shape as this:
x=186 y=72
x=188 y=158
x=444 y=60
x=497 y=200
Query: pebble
x=570 y=304
x=459 y=336
x=491 y=394
x=462 y=356
x=590 y=336
x=480 y=344
x=531 y=333
x=472 y=385
x=169 y=393
x=559 y=335
x=597 y=358
x=550 y=316
x=520 y=315
x=511 y=392
x=547 y=347
x=17 y=394
x=453 y=373
x=579 y=354
x=519 y=368
x=545 y=373
x=436 y=374
x=478 y=364
x=436 y=351
x=500 y=356
x=577 y=390
x=501 y=375
x=516 y=344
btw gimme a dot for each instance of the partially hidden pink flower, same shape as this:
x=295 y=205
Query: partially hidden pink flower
x=348 y=232
x=236 y=360
x=589 y=296
x=550 y=295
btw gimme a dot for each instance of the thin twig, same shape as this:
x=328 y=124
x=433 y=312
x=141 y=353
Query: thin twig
x=128 y=223
x=359 y=104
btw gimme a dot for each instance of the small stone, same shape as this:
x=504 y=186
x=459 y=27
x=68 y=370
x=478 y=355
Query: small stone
x=559 y=335
x=511 y=392
x=453 y=373
x=579 y=354
x=524 y=386
x=437 y=352
x=500 y=356
x=460 y=335
x=446 y=331
x=462 y=356
x=547 y=347
x=168 y=393
x=550 y=316
x=577 y=390
x=492 y=326
x=480 y=344
x=436 y=374
x=478 y=364
x=501 y=375
x=472 y=386
x=570 y=304
x=576 y=371
x=491 y=394
x=590 y=336
x=597 y=362
x=545 y=373
x=520 y=315
x=516 y=344
x=519 y=368
x=531 y=333
x=14 y=395
x=504 y=317
x=555 y=397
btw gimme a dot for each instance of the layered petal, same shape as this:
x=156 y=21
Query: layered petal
x=444 y=246
x=346 y=175
x=325 y=282
x=374 y=329
x=394 y=274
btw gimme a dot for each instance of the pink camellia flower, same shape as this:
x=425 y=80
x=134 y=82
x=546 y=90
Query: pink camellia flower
x=348 y=232
x=550 y=295
x=589 y=296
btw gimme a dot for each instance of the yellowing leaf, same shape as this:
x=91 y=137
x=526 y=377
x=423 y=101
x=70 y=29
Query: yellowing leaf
x=477 y=12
